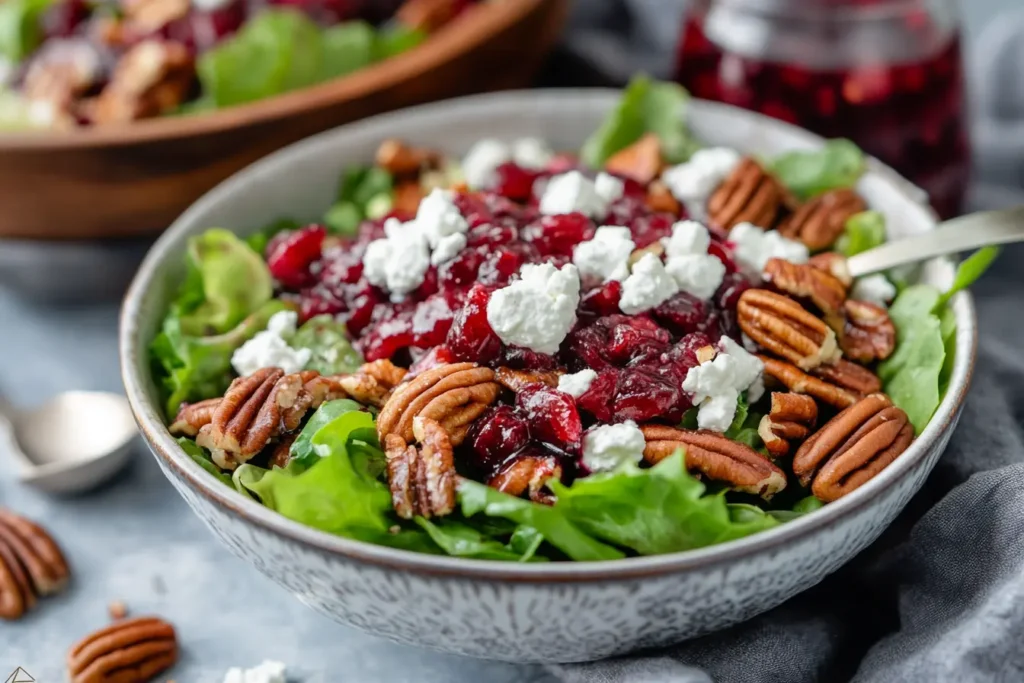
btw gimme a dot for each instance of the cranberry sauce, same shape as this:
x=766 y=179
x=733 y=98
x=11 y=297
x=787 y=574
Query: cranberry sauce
x=641 y=360
x=910 y=115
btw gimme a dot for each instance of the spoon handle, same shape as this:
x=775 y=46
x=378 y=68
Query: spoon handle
x=953 y=236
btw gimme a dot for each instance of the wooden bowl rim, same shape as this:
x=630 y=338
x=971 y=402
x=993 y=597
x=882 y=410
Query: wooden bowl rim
x=476 y=26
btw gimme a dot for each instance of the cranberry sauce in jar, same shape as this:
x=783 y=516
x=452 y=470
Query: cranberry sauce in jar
x=886 y=74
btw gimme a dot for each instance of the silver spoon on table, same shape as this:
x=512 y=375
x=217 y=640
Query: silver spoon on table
x=964 y=233
x=72 y=443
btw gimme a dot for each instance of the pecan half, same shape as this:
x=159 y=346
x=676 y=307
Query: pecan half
x=660 y=198
x=834 y=264
x=868 y=334
x=803 y=281
x=127 y=651
x=194 y=416
x=31 y=565
x=516 y=380
x=853 y=447
x=798 y=381
x=748 y=195
x=819 y=222
x=847 y=375
x=528 y=474
x=453 y=394
x=401 y=160
x=716 y=457
x=406 y=197
x=151 y=78
x=785 y=328
x=791 y=419
x=372 y=383
x=640 y=161
x=422 y=479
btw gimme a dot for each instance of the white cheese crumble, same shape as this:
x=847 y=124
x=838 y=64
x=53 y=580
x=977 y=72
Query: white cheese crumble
x=608 y=187
x=716 y=384
x=267 y=672
x=537 y=310
x=608 y=447
x=576 y=384
x=399 y=261
x=571 y=192
x=696 y=274
x=269 y=348
x=693 y=182
x=753 y=246
x=533 y=154
x=481 y=162
x=688 y=237
x=875 y=289
x=606 y=255
x=647 y=286
x=447 y=249
x=438 y=217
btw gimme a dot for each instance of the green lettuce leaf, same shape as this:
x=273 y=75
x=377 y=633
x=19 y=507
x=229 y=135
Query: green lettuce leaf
x=259 y=240
x=195 y=368
x=340 y=493
x=646 y=106
x=800 y=508
x=549 y=521
x=396 y=39
x=226 y=281
x=347 y=47
x=202 y=458
x=863 y=231
x=838 y=164
x=21 y=27
x=661 y=509
x=332 y=352
x=969 y=270
x=459 y=538
x=301 y=452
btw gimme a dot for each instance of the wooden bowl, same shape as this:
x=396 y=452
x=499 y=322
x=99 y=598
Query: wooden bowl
x=134 y=180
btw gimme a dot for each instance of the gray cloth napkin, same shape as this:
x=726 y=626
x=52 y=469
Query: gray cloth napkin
x=940 y=596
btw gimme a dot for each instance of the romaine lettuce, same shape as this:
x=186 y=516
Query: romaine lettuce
x=838 y=164
x=862 y=231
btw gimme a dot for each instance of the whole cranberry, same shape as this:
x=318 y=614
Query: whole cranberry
x=641 y=396
x=682 y=313
x=724 y=254
x=471 y=337
x=585 y=348
x=636 y=338
x=552 y=416
x=728 y=294
x=601 y=300
x=557 y=235
x=514 y=182
x=597 y=399
x=460 y=272
x=497 y=435
x=290 y=255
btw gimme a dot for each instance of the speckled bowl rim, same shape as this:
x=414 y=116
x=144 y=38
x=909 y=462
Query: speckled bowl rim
x=166 y=449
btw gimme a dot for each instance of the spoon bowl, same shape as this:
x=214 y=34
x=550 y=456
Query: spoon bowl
x=73 y=442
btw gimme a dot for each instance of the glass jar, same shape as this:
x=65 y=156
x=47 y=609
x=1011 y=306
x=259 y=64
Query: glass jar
x=886 y=74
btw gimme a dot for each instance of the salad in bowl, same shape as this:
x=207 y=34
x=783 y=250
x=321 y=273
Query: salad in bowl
x=70 y=63
x=639 y=347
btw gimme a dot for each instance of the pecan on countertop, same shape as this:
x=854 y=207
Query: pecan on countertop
x=31 y=565
x=128 y=651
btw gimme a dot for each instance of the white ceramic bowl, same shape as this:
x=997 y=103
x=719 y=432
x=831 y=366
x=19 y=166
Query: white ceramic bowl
x=557 y=612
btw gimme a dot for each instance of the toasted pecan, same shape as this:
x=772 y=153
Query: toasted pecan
x=421 y=478
x=527 y=474
x=819 y=222
x=791 y=419
x=798 y=381
x=640 y=161
x=748 y=195
x=128 y=651
x=868 y=333
x=804 y=281
x=516 y=380
x=785 y=328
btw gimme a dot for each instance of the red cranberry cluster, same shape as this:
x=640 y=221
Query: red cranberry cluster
x=641 y=360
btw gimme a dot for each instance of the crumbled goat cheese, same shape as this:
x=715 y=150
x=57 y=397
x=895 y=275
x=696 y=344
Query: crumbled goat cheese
x=608 y=447
x=716 y=384
x=533 y=154
x=647 y=286
x=483 y=159
x=696 y=274
x=267 y=672
x=537 y=310
x=875 y=289
x=571 y=192
x=447 y=249
x=688 y=237
x=606 y=255
x=438 y=217
x=269 y=348
x=753 y=246
x=608 y=187
x=576 y=384
x=693 y=182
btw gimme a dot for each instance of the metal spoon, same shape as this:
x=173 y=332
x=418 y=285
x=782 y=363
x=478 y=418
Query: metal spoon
x=71 y=443
x=950 y=237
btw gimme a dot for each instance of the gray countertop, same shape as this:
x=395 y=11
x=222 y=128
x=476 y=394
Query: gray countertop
x=134 y=540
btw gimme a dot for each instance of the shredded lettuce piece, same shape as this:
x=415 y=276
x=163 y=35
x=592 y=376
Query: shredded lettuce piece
x=21 y=27
x=646 y=106
x=862 y=231
x=333 y=354
x=458 y=538
x=661 y=509
x=302 y=453
x=838 y=164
